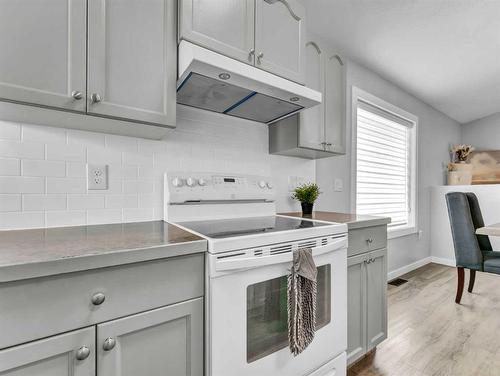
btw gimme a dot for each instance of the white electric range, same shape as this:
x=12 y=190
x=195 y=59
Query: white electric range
x=249 y=256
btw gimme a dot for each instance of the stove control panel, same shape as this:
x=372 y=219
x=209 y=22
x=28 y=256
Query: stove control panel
x=183 y=187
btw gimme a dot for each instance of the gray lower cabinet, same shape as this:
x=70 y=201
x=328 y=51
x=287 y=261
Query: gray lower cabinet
x=367 y=297
x=167 y=340
x=69 y=354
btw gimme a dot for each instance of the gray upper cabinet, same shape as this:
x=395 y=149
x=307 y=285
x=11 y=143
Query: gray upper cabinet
x=42 y=52
x=163 y=341
x=334 y=103
x=131 y=44
x=279 y=38
x=69 y=354
x=224 y=26
x=312 y=120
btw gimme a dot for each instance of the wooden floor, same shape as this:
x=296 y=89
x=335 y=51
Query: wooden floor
x=431 y=335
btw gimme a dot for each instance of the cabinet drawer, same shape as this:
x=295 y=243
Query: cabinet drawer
x=41 y=307
x=366 y=239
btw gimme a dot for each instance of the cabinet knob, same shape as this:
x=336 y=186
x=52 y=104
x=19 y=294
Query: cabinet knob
x=260 y=56
x=82 y=353
x=369 y=240
x=95 y=98
x=109 y=344
x=76 y=95
x=98 y=298
x=251 y=52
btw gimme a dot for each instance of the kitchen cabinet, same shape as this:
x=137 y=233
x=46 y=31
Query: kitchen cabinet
x=317 y=132
x=268 y=34
x=224 y=26
x=89 y=58
x=165 y=340
x=69 y=354
x=42 y=50
x=366 y=291
x=279 y=37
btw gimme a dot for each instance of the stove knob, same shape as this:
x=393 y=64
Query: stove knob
x=176 y=182
x=269 y=185
x=191 y=182
x=262 y=184
x=202 y=182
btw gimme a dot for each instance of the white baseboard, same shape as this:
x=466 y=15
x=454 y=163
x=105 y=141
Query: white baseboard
x=443 y=261
x=408 y=268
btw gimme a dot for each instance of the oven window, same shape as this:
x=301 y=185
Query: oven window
x=267 y=317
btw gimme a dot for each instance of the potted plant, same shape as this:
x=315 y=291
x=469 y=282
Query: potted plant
x=307 y=195
x=459 y=171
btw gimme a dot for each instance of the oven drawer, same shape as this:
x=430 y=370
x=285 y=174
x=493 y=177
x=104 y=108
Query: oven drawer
x=366 y=239
x=41 y=307
x=335 y=367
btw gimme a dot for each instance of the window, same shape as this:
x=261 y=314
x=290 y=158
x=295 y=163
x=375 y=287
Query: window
x=385 y=145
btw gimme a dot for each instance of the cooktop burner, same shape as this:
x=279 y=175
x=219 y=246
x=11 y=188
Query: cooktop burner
x=226 y=228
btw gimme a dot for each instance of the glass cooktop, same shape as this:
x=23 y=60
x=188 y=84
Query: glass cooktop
x=226 y=228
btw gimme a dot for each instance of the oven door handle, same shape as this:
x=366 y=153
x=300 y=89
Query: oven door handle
x=227 y=264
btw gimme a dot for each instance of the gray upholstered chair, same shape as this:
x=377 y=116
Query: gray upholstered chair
x=472 y=251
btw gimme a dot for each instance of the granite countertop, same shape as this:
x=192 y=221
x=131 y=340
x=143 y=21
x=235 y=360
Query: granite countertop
x=41 y=252
x=353 y=221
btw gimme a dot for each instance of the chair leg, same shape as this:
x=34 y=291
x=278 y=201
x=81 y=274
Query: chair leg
x=472 y=279
x=460 y=286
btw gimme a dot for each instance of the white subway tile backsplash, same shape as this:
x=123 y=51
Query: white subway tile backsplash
x=10 y=166
x=62 y=152
x=21 y=220
x=10 y=203
x=10 y=130
x=66 y=185
x=16 y=149
x=47 y=135
x=32 y=167
x=65 y=218
x=52 y=190
x=33 y=202
x=76 y=202
x=18 y=184
x=100 y=216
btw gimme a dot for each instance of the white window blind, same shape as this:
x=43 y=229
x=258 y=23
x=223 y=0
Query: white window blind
x=383 y=165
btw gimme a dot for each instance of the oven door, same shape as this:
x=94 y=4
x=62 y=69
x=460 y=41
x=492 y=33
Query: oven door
x=247 y=312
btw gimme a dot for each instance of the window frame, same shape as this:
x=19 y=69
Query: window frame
x=360 y=95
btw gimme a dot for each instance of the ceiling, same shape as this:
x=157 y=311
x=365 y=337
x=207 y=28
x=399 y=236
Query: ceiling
x=445 y=52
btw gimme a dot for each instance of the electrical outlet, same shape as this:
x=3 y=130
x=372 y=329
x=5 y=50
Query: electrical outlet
x=97 y=177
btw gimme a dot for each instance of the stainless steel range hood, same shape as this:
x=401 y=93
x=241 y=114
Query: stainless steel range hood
x=220 y=84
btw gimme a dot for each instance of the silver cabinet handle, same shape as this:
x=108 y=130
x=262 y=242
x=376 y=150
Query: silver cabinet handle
x=76 y=95
x=95 y=98
x=260 y=56
x=82 y=353
x=369 y=240
x=251 y=52
x=109 y=344
x=98 y=298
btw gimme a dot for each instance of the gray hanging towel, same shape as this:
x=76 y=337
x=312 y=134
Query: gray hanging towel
x=301 y=301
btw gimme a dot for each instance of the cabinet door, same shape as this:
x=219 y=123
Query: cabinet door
x=376 y=274
x=132 y=60
x=312 y=120
x=334 y=102
x=42 y=52
x=164 y=341
x=280 y=38
x=70 y=354
x=224 y=26
x=356 y=307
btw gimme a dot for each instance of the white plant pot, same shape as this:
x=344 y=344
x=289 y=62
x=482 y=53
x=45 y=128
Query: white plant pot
x=463 y=177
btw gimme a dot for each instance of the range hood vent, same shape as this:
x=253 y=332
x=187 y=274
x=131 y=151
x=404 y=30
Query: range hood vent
x=214 y=82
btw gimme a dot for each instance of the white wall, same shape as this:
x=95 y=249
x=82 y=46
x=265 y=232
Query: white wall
x=42 y=169
x=484 y=134
x=435 y=133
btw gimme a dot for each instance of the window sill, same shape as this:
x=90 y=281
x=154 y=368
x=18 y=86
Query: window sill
x=400 y=232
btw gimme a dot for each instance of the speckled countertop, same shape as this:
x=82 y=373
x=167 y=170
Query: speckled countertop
x=41 y=252
x=353 y=221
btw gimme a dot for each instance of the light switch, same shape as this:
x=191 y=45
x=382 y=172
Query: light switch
x=338 y=185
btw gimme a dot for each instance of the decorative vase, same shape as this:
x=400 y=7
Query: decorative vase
x=461 y=174
x=307 y=208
